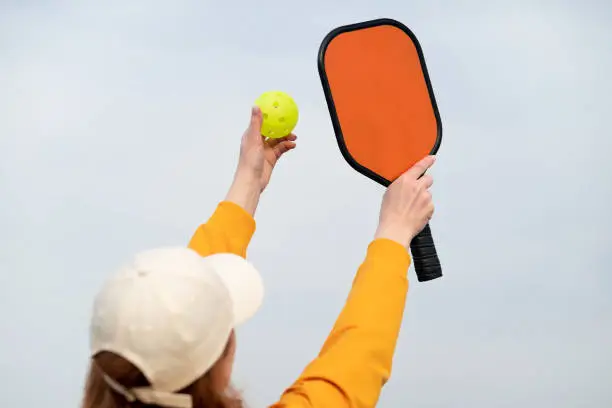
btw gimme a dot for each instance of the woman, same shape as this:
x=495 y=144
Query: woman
x=162 y=330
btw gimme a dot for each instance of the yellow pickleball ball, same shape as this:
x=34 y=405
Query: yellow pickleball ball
x=280 y=114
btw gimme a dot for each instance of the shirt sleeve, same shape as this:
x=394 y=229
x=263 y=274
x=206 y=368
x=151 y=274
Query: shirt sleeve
x=355 y=361
x=229 y=229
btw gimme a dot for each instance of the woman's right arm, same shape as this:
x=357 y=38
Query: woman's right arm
x=355 y=361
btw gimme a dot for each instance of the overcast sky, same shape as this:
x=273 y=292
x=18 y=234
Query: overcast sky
x=120 y=125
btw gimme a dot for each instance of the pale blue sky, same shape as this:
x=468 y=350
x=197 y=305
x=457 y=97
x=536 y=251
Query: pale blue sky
x=119 y=129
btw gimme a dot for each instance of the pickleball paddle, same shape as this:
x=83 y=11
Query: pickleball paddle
x=383 y=109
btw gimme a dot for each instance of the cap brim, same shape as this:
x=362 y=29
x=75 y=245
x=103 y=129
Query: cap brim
x=243 y=282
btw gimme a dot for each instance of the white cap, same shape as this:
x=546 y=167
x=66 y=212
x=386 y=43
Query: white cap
x=170 y=312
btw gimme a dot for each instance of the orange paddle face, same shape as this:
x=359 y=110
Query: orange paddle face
x=380 y=98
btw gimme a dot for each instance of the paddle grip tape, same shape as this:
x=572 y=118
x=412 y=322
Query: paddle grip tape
x=424 y=255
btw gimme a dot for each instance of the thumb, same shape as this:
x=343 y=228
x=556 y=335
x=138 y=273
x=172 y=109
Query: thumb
x=256 y=119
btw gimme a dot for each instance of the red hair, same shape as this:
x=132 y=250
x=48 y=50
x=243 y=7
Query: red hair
x=98 y=394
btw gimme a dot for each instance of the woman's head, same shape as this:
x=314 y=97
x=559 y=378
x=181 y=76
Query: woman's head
x=162 y=329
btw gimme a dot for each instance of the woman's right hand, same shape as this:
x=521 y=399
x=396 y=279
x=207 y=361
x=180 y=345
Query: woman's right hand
x=407 y=205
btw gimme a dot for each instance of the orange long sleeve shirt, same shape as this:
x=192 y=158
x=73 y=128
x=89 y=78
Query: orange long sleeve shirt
x=355 y=361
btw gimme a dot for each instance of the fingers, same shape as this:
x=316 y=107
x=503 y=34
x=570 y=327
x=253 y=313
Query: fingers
x=426 y=200
x=282 y=145
x=420 y=168
x=425 y=182
x=273 y=142
x=283 y=148
x=429 y=210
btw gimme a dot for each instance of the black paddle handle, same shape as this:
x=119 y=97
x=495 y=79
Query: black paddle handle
x=424 y=255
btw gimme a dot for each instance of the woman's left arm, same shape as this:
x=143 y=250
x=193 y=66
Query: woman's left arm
x=232 y=225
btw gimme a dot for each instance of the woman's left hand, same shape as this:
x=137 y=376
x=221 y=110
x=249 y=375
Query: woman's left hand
x=258 y=155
